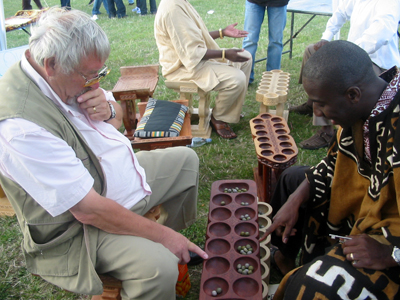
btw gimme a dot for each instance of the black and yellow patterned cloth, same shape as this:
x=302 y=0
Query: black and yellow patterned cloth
x=332 y=277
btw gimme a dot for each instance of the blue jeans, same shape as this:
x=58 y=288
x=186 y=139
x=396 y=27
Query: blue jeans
x=121 y=9
x=66 y=3
x=143 y=6
x=253 y=19
x=97 y=5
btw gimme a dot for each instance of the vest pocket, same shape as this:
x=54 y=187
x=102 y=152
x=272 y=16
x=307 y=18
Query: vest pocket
x=58 y=257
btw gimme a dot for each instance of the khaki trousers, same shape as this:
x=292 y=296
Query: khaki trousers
x=233 y=80
x=147 y=269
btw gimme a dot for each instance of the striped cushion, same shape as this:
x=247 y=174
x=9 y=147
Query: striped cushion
x=161 y=119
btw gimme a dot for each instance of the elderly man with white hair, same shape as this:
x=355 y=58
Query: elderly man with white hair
x=78 y=189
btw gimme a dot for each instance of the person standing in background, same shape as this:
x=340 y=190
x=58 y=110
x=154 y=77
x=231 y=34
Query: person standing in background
x=141 y=4
x=253 y=19
x=26 y=4
x=97 y=5
x=119 y=12
x=66 y=4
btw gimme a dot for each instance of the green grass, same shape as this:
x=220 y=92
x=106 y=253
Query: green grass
x=132 y=43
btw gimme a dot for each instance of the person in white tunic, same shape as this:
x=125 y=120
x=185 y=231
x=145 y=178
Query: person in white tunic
x=188 y=52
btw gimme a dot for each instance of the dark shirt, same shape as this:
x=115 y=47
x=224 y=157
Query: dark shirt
x=276 y=3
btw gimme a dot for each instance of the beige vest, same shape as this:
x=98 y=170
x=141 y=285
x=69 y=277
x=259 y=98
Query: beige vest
x=60 y=249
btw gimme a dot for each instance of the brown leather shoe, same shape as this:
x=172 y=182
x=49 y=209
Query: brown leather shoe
x=319 y=140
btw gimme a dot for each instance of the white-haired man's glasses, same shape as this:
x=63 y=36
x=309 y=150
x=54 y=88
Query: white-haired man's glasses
x=103 y=73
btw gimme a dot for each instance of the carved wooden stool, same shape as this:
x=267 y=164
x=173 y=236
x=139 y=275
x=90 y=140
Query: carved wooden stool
x=272 y=91
x=186 y=89
x=136 y=82
x=111 y=288
x=5 y=206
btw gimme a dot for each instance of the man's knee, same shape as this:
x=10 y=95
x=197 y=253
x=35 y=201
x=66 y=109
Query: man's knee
x=238 y=81
x=191 y=156
x=293 y=176
x=156 y=281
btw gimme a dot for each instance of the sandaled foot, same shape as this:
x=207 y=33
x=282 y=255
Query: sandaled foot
x=222 y=129
x=319 y=140
x=280 y=262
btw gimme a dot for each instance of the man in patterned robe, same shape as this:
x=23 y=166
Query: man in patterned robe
x=352 y=192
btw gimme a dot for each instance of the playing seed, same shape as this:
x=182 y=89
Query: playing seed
x=214 y=293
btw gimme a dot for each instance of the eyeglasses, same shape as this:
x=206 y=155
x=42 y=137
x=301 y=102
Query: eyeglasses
x=103 y=73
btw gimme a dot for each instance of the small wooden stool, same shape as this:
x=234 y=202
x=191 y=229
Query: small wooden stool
x=186 y=89
x=111 y=288
x=5 y=206
x=272 y=91
x=136 y=82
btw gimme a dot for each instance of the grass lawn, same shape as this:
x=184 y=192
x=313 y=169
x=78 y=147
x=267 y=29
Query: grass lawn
x=132 y=43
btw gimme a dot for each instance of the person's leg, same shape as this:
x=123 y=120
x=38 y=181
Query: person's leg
x=142 y=6
x=153 y=6
x=308 y=52
x=232 y=88
x=66 y=4
x=305 y=108
x=276 y=25
x=121 y=8
x=172 y=174
x=96 y=7
x=26 y=5
x=253 y=19
x=288 y=182
x=105 y=4
x=112 y=13
x=147 y=270
x=38 y=4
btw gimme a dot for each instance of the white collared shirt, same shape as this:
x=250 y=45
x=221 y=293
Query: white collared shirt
x=48 y=169
x=373 y=27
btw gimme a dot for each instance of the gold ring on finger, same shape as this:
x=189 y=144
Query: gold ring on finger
x=352 y=257
x=94 y=109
